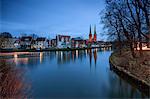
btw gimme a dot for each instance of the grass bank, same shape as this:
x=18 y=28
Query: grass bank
x=136 y=69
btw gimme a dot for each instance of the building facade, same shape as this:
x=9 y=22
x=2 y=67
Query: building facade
x=25 y=42
x=92 y=41
x=40 y=43
x=63 y=41
x=78 y=42
x=7 y=41
x=53 y=43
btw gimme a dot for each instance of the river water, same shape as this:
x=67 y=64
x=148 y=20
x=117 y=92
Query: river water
x=63 y=74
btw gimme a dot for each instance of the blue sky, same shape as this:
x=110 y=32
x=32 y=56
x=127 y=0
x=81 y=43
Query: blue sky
x=51 y=17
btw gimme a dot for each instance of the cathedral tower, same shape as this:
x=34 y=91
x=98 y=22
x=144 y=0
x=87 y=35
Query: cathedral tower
x=90 y=35
x=95 y=35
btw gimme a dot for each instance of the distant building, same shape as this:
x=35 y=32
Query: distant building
x=95 y=35
x=49 y=43
x=7 y=41
x=53 y=43
x=63 y=41
x=92 y=40
x=40 y=43
x=25 y=42
x=90 y=36
x=78 y=42
x=17 y=44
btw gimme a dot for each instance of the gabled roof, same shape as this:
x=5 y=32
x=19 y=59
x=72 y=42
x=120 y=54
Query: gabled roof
x=26 y=38
x=41 y=39
x=77 y=39
x=17 y=41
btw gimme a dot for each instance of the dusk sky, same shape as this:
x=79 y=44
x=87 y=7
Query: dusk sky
x=51 y=17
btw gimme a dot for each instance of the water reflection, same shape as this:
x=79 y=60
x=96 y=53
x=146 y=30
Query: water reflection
x=63 y=57
x=41 y=57
x=12 y=84
x=95 y=56
x=124 y=87
x=75 y=78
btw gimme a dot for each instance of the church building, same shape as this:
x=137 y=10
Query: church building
x=92 y=39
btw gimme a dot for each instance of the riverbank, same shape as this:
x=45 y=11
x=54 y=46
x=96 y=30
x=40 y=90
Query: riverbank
x=49 y=49
x=41 y=50
x=136 y=69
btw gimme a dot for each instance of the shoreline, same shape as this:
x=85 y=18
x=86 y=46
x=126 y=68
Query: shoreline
x=142 y=85
x=50 y=49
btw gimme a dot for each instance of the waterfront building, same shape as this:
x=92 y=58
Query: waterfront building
x=25 y=42
x=95 y=35
x=92 y=41
x=63 y=41
x=17 y=44
x=90 y=36
x=53 y=43
x=78 y=42
x=7 y=41
x=48 y=43
x=40 y=43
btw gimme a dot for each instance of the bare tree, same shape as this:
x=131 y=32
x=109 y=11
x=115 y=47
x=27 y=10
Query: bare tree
x=128 y=21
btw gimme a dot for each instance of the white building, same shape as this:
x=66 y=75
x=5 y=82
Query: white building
x=63 y=41
x=40 y=43
x=25 y=42
x=78 y=42
x=17 y=44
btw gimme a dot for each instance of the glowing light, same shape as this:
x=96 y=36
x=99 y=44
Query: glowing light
x=86 y=51
x=77 y=53
x=95 y=49
x=41 y=57
x=15 y=56
x=143 y=48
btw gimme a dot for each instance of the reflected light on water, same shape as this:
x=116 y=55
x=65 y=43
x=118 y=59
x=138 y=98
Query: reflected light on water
x=41 y=57
x=15 y=55
x=18 y=53
x=56 y=52
x=86 y=52
x=21 y=60
x=61 y=55
x=93 y=67
x=16 y=58
x=77 y=53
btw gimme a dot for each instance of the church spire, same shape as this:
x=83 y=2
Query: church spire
x=90 y=35
x=95 y=35
x=90 y=30
x=95 y=29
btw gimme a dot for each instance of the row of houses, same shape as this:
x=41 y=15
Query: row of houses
x=28 y=42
